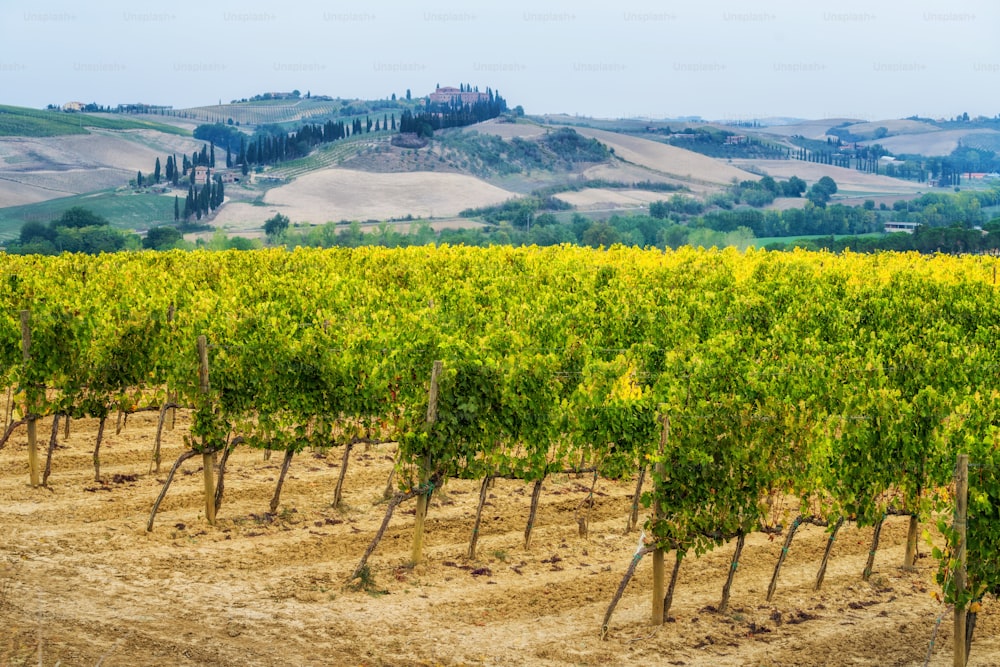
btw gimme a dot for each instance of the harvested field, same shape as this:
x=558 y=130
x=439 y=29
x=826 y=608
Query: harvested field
x=345 y=194
x=669 y=160
x=602 y=198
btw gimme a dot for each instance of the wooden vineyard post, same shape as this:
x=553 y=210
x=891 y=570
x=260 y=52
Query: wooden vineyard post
x=826 y=553
x=474 y=540
x=781 y=558
x=961 y=510
x=866 y=575
x=536 y=493
x=660 y=469
x=416 y=555
x=909 y=561
x=206 y=456
x=29 y=409
x=740 y=540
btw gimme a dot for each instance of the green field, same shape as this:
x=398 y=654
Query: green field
x=24 y=122
x=761 y=242
x=125 y=210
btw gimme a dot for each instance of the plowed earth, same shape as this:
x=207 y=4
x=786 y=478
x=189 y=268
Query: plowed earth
x=83 y=583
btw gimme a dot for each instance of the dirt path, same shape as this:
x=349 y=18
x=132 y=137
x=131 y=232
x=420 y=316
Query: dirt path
x=82 y=583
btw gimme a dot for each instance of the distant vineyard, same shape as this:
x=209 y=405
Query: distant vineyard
x=728 y=380
x=260 y=114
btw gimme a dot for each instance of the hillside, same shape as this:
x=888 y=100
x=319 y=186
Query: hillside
x=669 y=161
x=36 y=169
x=52 y=162
x=24 y=122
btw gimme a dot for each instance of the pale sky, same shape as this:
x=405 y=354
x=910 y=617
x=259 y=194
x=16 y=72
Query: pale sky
x=716 y=59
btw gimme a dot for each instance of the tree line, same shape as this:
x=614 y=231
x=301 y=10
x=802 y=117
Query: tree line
x=438 y=116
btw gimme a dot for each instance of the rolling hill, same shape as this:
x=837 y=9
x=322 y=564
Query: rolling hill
x=51 y=159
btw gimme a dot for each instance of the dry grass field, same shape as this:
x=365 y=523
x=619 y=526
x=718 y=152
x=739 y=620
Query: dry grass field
x=669 y=160
x=598 y=198
x=849 y=181
x=82 y=583
x=51 y=167
x=345 y=194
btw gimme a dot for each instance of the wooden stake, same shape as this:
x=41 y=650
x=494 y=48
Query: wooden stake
x=740 y=540
x=781 y=558
x=479 y=515
x=826 y=553
x=959 y=525
x=289 y=453
x=343 y=473
x=866 y=575
x=659 y=471
x=207 y=456
x=535 y=494
x=909 y=561
x=29 y=409
x=416 y=553
x=97 y=448
x=52 y=447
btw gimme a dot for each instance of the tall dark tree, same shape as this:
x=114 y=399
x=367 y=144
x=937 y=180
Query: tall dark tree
x=177 y=208
x=229 y=159
x=138 y=179
x=211 y=157
x=156 y=171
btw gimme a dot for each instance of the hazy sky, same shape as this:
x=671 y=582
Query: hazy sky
x=719 y=60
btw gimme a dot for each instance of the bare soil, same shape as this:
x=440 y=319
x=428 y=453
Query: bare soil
x=83 y=583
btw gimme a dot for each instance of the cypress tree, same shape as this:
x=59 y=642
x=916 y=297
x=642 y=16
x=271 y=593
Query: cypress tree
x=177 y=208
x=156 y=171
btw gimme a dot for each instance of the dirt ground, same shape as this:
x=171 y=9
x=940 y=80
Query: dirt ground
x=83 y=583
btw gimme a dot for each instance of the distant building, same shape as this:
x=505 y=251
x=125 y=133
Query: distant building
x=201 y=175
x=904 y=227
x=73 y=106
x=736 y=139
x=447 y=95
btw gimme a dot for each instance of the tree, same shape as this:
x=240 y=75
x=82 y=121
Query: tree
x=156 y=171
x=820 y=192
x=79 y=217
x=177 y=208
x=34 y=230
x=138 y=179
x=407 y=94
x=161 y=238
x=275 y=228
